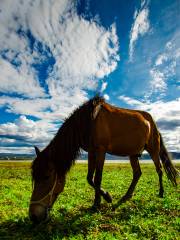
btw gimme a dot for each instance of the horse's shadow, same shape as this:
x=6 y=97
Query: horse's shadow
x=67 y=223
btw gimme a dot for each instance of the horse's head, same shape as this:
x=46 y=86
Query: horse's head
x=47 y=186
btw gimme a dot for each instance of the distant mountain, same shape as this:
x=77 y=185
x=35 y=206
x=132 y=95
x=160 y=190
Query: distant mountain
x=175 y=155
x=145 y=156
x=12 y=156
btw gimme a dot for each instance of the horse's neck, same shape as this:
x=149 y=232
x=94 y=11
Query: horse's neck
x=58 y=145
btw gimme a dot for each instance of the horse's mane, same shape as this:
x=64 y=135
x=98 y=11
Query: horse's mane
x=74 y=133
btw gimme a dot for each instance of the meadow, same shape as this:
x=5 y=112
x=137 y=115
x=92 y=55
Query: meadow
x=145 y=216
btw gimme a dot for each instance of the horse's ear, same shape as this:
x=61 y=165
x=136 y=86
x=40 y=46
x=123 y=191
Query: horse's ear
x=37 y=150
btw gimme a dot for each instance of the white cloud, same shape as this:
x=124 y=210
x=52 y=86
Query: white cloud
x=164 y=68
x=32 y=107
x=17 y=150
x=158 y=109
x=143 y=2
x=104 y=86
x=54 y=109
x=160 y=59
x=21 y=81
x=158 y=84
x=85 y=55
x=106 y=97
x=27 y=130
x=140 y=26
x=131 y=101
x=83 y=52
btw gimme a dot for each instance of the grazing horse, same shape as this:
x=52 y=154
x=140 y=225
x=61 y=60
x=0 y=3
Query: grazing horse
x=98 y=128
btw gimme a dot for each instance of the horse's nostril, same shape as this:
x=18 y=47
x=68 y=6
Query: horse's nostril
x=38 y=216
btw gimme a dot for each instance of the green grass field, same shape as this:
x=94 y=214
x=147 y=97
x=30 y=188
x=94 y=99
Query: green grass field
x=145 y=216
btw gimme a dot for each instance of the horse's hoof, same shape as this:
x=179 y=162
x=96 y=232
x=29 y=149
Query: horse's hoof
x=95 y=207
x=114 y=207
x=161 y=195
x=107 y=197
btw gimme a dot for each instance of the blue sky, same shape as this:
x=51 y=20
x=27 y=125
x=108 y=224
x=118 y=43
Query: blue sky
x=56 y=54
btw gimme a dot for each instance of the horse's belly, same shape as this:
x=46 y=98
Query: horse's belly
x=121 y=147
x=125 y=152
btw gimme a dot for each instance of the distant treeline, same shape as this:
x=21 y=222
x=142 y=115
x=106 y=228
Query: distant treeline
x=11 y=156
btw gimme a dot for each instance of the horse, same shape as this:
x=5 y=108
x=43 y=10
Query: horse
x=98 y=128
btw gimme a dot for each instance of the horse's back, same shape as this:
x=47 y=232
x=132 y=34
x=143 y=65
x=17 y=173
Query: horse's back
x=121 y=131
x=123 y=120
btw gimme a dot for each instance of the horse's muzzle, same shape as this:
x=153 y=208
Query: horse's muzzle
x=38 y=213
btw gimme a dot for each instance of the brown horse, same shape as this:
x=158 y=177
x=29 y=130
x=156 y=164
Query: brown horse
x=97 y=128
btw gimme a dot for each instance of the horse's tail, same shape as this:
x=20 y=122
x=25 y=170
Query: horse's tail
x=170 y=170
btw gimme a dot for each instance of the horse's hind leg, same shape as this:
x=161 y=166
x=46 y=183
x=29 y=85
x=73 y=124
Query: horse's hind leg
x=157 y=163
x=136 y=175
x=96 y=163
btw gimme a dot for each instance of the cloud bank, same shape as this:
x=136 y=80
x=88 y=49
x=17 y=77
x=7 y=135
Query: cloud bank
x=50 y=57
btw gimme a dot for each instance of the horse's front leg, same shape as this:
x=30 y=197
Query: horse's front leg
x=95 y=163
x=100 y=157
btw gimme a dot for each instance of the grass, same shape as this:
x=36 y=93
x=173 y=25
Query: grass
x=145 y=216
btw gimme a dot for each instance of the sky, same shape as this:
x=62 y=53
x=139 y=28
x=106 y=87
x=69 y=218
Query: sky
x=56 y=54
